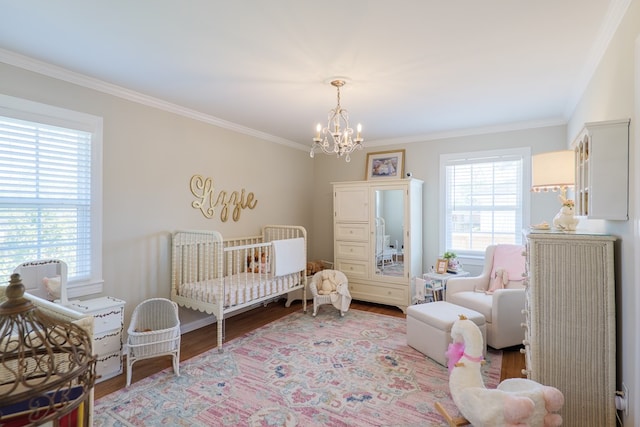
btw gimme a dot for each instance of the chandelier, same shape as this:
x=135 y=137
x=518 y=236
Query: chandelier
x=342 y=141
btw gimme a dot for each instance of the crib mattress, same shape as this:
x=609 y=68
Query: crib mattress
x=238 y=289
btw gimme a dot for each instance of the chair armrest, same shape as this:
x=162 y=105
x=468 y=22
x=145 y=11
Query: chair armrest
x=507 y=308
x=466 y=284
x=313 y=286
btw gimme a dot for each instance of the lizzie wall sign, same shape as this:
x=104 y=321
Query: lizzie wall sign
x=208 y=201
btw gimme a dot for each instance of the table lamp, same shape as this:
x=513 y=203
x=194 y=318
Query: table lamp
x=555 y=171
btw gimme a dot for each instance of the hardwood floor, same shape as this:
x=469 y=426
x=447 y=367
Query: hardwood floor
x=203 y=339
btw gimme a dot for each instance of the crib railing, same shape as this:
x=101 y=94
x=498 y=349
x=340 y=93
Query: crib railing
x=247 y=258
x=282 y=232
x=196 y=256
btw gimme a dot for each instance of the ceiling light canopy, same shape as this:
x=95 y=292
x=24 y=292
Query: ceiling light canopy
x=342 y=141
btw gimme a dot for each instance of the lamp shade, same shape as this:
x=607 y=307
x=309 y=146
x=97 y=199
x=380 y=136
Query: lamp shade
x=553 y=170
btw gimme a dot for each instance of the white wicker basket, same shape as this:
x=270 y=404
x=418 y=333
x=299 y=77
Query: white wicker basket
x=154 y=331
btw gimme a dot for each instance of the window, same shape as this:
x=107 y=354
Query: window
x=485 y=201
x=50 y=190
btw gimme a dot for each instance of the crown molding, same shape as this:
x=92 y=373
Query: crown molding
x=49 y=70
x=510 y=127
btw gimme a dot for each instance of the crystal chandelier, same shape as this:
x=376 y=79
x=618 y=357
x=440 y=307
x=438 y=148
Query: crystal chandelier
x=342 y=141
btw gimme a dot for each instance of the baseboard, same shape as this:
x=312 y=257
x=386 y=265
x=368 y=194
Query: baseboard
x=197 y=324
x=206 y=320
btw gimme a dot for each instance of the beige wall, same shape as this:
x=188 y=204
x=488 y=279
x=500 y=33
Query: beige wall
x=149 y=156
x=610 y=96
x=422 y=159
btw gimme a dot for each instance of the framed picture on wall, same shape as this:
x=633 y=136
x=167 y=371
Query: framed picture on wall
x=441 y=266
x=385 y=165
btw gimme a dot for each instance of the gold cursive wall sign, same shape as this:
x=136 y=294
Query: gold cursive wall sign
x=207 y=201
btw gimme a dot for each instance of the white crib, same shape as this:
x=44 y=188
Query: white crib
x=219 y=276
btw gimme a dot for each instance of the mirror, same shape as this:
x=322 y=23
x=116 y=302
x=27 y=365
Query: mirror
x=45 y=278
x=389 y=233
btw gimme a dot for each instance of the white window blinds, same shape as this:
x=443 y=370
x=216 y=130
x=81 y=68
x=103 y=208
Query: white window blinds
x=45 y=196
x=483 y=200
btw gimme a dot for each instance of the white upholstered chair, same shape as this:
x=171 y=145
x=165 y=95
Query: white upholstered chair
x=501 y=306
x=340 y=298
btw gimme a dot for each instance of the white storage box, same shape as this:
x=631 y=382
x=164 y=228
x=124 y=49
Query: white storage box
x=429 y=327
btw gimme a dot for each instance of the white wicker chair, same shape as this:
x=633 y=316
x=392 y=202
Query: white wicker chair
x=342 y=294
x=154 y=331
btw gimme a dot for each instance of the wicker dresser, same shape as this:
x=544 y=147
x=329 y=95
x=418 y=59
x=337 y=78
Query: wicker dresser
x=570 y=323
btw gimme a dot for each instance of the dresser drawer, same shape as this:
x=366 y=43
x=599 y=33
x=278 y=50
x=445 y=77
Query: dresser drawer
x=108 y=366
x=107 y=320
x=107 y=312
x=354 y=250
x=352 y=269
x=351 y=231
x=107 y=342
x=379 y=293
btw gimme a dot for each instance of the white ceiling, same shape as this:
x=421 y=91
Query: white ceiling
x=419 y=69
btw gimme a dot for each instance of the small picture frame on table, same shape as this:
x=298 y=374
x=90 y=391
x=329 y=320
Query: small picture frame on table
x=441 y=266
x=385 y=165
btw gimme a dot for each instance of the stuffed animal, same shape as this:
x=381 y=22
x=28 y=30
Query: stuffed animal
x=52 y=285
x=564 y=220
x=328 y=284
x=261 y=266
x=500 y=280
x=313 y=267
x=514 y=403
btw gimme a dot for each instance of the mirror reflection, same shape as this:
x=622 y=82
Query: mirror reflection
x=389 y=233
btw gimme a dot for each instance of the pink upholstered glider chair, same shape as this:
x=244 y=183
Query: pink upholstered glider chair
x=498 y=293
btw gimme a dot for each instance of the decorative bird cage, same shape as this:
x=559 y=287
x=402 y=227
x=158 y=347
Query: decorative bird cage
x=47 y=369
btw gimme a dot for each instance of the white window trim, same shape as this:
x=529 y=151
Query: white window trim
x=56 y=116
x=525 y=152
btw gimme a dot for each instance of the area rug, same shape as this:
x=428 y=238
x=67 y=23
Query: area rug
x=355 y=370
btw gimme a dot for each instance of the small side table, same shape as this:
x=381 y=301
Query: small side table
x=437 y=283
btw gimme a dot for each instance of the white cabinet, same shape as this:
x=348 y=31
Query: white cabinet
x=108 y=315
x=570 y=328
x=602 y=170
x=377 y=234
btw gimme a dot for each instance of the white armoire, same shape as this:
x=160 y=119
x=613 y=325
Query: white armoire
x=377 y=232
x=570 y=328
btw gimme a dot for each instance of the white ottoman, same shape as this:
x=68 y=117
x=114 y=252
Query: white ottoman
x=429 y=327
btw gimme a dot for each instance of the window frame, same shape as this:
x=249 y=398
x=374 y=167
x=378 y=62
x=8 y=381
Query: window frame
x=27 y=110
x=474 y=157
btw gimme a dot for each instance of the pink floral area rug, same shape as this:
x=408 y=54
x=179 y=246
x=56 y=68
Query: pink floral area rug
x=355 y=370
